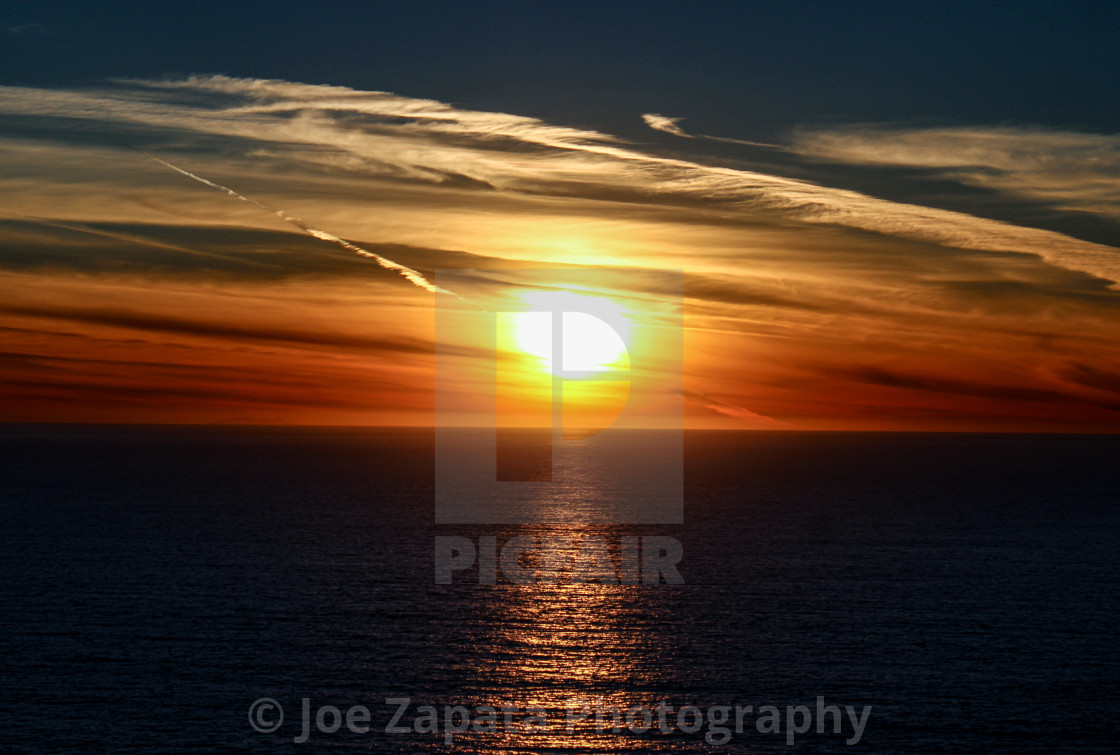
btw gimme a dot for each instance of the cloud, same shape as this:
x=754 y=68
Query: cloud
x=382 y=134
x=669 y=126
x=193 y=326
x=1069 y=170
x=412 y=276
x=1094 y=377
x=33 y=28
x=666 y=124
x=201 y=253
x=789 y=282
x=734 y=411
x=891 y=378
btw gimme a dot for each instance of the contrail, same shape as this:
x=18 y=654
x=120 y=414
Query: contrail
x=412 y=276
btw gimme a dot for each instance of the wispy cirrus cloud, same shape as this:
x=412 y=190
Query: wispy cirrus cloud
x=380 y=133
x=1071 y=171
x=412 y=276
x=669 y=126
x=666 y=124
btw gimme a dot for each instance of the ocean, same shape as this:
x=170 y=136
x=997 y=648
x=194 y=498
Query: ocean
x=957 y=593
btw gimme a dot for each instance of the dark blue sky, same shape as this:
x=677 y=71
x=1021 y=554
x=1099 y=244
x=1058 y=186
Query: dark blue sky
x=738 y=69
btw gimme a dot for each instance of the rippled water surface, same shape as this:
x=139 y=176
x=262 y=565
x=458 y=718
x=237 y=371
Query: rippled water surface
x=156 y=582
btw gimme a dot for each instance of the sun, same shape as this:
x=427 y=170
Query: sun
x=559 y=350
x=593 y=331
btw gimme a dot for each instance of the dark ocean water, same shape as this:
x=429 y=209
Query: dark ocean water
x=158 y=581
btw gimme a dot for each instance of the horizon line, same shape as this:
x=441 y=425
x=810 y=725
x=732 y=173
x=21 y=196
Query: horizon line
x=4 y=424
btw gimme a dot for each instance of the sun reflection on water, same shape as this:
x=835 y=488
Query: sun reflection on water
x=570 y=647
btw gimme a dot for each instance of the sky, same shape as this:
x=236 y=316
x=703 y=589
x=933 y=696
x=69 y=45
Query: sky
x=888 y=216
